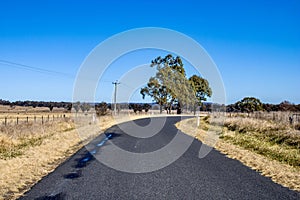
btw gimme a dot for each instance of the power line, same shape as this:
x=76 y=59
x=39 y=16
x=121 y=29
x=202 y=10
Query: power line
x=35 y=69
x=130 y=87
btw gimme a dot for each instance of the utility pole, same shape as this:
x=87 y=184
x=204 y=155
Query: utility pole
x=116 y=83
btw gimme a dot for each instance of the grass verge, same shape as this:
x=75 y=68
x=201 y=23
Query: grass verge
x=28 y=153
x=273 y=140
x=267 y=147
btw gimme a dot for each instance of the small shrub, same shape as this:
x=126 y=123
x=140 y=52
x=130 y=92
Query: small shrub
x=101 y=109
x=206 y=119
x=297 y=126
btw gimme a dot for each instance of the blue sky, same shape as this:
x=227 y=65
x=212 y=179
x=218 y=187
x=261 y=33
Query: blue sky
x=255 y=44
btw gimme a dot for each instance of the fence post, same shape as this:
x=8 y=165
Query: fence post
x=198 y=120
x=5 y=121
x=42 y=119
x=17 y=120
x=27 y=120
x=53 y=118
x=34 y=119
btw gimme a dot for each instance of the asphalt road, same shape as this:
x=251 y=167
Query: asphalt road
x=189 y=177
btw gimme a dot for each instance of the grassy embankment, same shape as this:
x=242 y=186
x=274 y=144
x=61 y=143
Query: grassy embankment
x=269 y=147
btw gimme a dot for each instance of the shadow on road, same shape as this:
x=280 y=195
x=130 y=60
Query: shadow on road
x=88 y=156
x=59 y=196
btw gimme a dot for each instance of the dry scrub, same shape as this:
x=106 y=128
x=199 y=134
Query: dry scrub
x=31 y=151
x=274 y=140
x=268 y=147
x=15 y=139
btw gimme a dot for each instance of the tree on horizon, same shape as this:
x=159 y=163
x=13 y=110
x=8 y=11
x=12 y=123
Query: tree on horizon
x=170 y=87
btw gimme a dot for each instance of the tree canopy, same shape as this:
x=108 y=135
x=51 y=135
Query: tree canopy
x=171 y=86
x=247 y=104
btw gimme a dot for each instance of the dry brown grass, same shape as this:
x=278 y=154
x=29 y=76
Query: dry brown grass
x=28 y=109
x=279 y=171
x=15 y=139
x=277 y=141
x=45 y=147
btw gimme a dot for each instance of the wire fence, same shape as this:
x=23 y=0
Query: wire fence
x=10 y=120
x=280 y=117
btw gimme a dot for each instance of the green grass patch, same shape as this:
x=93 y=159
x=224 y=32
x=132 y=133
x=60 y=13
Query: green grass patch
x=276 y=141
x=282 y=153
x=14 y=150
x=9 y=151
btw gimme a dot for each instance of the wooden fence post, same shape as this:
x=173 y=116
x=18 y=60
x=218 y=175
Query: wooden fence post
x=5 y=121
x=27 y=120
x=42 y=119
x=34 y=119
x=17 y=120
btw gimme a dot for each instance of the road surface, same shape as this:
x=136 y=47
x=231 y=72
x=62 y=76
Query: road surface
x=189 y=177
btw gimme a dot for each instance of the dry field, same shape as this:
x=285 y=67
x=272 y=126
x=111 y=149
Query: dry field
x=272 y=148
x=28 y=110
x=29 y=151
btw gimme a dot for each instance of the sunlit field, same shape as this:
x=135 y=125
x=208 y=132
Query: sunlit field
x=30 y=150
x=266 y=144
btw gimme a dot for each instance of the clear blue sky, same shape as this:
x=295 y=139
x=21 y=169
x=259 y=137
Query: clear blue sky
x=255 y=44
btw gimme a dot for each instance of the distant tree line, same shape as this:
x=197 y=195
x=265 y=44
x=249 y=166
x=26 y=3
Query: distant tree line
x=34 y=104
x=139 y=107
x=101 y=108
x=252 y=104
x=246 y=105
